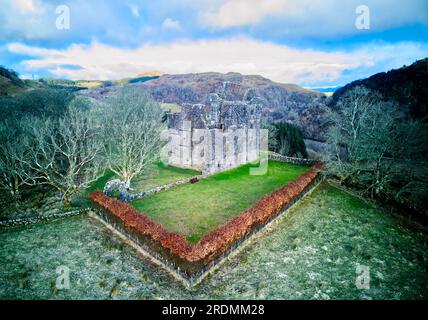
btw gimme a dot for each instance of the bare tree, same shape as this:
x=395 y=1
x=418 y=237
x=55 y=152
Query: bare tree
x=350 y=126
x=373 y=146
x=12 y=152
x=64 y=153
x=133 y=126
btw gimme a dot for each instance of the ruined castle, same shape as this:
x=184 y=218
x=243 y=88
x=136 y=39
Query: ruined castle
x=215 y=136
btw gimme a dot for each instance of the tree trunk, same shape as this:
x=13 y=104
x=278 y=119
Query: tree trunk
x=17 y=195
x=127 y=183
x=15 y=192
x=67 y=200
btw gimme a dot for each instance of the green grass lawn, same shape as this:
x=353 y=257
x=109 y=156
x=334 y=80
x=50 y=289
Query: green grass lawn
x=156 y=175
x=195 y=209
x=311 y=252
x=159 y=175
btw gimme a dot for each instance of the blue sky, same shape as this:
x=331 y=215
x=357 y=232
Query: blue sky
x=312 y=43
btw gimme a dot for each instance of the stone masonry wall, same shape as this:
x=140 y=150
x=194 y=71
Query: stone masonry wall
x=214 y=137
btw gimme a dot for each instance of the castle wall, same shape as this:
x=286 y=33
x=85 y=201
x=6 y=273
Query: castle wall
x=212 y=150
x=214 y=137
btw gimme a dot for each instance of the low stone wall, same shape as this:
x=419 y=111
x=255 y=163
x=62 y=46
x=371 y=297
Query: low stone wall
x=136 y=196
x=281 y=158
x=14 y=222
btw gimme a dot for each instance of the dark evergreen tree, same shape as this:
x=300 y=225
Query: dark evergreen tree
x=289 y=140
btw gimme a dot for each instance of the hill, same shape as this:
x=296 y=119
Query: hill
x=196 y=87
x=407 y=86
x=11 y=86
x=10 y=83
x=281 y=102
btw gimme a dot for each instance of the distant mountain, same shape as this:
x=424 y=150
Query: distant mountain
x=154 y=73
x=142 y=79
x=407 y=86
x=281 y=102
x=87 y=84
x=196 y=87
x=327 y=89
x=12 y=85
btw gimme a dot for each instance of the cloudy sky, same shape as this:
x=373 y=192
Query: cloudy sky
x=312 y=43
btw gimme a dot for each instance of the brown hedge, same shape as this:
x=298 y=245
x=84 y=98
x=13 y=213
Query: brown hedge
x=191 y=258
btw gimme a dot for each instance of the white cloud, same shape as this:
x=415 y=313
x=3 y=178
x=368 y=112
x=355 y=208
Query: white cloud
x=28 y=6
x=232 y=13
x=277 y=19
x=171 y=24
x=25 y=19
x=29 y=20
x=311 y=17
x=248 y=56
x=134 y=10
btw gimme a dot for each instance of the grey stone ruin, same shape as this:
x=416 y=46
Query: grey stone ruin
x=216 y=136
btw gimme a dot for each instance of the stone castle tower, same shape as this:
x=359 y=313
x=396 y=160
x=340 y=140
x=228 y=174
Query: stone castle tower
x=215 y=136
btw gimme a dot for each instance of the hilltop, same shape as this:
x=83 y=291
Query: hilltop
x=281 y=102
x=406 y=86
x=10 y=83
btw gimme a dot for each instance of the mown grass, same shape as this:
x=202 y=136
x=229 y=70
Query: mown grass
x=156 y=175
x=159 y=175
x=195 y=209
x=309 y=253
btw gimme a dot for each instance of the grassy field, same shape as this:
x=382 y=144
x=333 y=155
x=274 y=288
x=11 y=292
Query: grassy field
x=310 y=253
x=155 y=176
x=159 y=175
x=195 y=209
